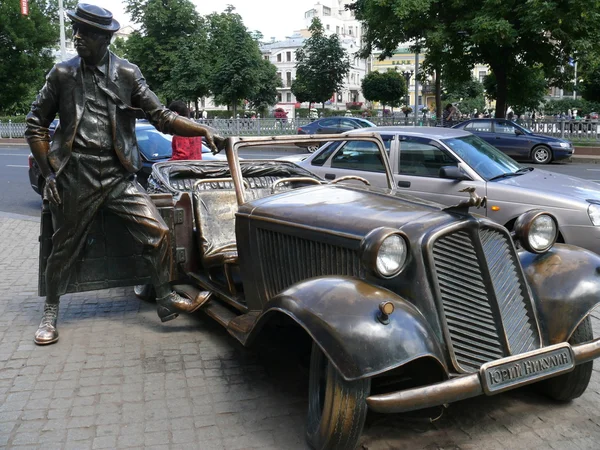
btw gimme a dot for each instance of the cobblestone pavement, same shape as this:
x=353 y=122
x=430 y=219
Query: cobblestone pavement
x=119 y=379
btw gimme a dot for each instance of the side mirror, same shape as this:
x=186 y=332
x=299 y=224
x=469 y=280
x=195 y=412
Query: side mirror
x=453 y=173
x=518 y=132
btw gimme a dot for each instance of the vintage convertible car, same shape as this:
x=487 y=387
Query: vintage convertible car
x=408 y=304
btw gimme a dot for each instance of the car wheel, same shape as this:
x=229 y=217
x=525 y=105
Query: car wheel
x=336 y=408
x=571 y=385
x=312 y=148
x=541 y=154
x=145 y=292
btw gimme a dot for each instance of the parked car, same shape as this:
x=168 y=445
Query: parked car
x=518 y=142
x=435 y=163
x=154 y=146
x=332 y=125
x=404 y=304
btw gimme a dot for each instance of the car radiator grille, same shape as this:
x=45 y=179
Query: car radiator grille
x=476 y=332
x=286 y=260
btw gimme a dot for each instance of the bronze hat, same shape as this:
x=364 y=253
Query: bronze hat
x=95 y=17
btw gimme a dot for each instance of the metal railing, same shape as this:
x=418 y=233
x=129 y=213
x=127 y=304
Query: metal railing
x=573 y=130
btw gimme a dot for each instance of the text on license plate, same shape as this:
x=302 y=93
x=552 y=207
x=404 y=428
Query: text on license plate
x=508 y=373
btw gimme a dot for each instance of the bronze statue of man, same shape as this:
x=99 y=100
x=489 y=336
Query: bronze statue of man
x=93 y=156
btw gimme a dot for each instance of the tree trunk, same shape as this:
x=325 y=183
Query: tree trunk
x=501 y=91
x=235 y=109
x=438 y=93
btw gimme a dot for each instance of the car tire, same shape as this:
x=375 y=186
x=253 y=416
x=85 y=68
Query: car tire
x=336 y=408
x=145 y=292
x=541 y=154
x=312 y=148
x=571 y=385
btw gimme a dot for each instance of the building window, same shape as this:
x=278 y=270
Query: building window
x=279 y=98
x=337 y=30
x=288 y=79
x=482 y=74
x=266 y=57
x=326 y=11
x=279 y=57
x=288 y=97
x=327 y=26
x=278 y=74
x=288 y=56
x=350 y=31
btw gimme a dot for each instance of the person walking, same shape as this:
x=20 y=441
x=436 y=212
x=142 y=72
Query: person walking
x=184 y=148
x=93 y=156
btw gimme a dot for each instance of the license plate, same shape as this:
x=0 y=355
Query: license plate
x=508 y=373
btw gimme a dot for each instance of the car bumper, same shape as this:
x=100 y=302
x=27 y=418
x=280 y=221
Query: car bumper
x=472 y=385
x=562 y=153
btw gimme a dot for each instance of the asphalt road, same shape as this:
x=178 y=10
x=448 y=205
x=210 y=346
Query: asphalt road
x=17 y=197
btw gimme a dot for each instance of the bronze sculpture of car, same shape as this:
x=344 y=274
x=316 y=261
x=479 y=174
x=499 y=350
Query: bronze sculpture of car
x=409 y=304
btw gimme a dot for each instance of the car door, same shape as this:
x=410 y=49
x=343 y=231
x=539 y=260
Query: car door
x=348 y=124
x=508 y=139
x=358 y=158
x=417 y=171
x=328 y=126
x=483 y=129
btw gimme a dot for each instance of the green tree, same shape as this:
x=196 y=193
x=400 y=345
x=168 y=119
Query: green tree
x=266 y=92
x=322 y=65
x=235 y=57
x=388 y=88
x=166 y=26
x=527 y=87
x=469 y=96
x=502 y=35
x=26 y=44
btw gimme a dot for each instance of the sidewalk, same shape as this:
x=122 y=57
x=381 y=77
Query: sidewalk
x=118 y=379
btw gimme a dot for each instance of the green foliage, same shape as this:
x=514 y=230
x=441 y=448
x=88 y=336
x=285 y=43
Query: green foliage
x=26 y=44
x=500 y=34
x=267 y=83
x=563 y=105
x=322 y=65
x=388 y=88
x=590 y=85
x=469 y=96
x=527 y=87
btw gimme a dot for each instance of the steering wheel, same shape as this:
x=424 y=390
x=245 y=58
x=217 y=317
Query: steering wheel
x=292 y=179
x=350 y=177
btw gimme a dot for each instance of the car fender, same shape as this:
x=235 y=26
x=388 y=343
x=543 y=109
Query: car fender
x=341 y=316
x=565 y=282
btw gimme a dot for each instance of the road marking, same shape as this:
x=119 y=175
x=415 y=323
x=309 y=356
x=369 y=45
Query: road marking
x=9 y=165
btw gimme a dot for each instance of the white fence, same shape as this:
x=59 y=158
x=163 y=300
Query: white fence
x=12 y=130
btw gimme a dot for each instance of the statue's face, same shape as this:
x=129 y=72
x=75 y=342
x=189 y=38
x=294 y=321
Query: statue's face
x=90 y=43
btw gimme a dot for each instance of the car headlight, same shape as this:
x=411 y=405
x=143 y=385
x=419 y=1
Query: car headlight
x=594 y=213
x=536 y=230
x=564 y=144
x=384 y=252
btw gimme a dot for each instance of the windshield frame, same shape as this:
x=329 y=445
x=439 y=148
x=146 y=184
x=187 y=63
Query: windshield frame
x=496 y=162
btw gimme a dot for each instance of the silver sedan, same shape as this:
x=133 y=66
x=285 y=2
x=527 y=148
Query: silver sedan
x=437 y=163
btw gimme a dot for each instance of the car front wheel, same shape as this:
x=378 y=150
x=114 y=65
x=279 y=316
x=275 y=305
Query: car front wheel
x=312 y=148
x=572 y=384
x=336 y=408
x=541 y=154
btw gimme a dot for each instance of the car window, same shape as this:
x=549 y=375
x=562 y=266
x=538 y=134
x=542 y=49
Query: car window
x=482 y=157
x=365 y=123
x=153 y=144
x=348 y=123
x=325 y=153
x=358 y=155
x=419 y=157
x=505 y=127
x=484 y=126
x=329 y=123
x=467 y=127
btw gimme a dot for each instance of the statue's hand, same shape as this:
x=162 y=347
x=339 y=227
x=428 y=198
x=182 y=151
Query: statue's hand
x=215 y=141
x=51 y=190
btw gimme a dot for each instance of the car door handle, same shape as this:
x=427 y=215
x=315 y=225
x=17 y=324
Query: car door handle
x=498 y=137
x=404 y=184
x=330 y=176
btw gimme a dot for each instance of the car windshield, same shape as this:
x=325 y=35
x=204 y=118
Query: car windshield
x=486 y=160
x=153 y=144
x=523 y=129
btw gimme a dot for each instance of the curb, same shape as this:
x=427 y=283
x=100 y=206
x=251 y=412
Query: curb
x=7 y=215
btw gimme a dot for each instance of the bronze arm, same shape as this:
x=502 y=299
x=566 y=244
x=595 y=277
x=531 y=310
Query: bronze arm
x=188 y=128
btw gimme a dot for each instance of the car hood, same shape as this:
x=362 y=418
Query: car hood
x=556 y=184
x=345 y=210
x=544 y=138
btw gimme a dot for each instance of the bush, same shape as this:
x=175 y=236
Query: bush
x=14 y=119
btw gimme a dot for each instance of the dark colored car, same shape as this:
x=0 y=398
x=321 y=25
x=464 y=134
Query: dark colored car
x=332 y=125
x=154 y=146
x=404 y=304
x=518 y=142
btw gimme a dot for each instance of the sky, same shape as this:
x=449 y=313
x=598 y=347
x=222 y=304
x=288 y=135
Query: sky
x=273 y=18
